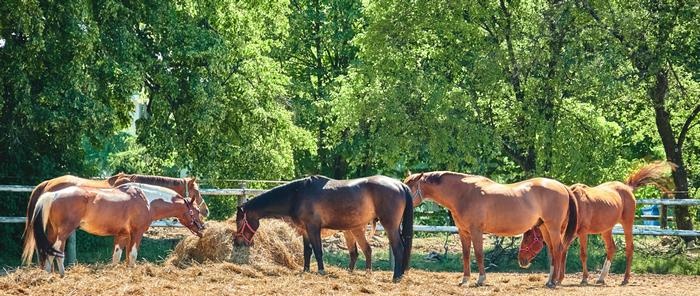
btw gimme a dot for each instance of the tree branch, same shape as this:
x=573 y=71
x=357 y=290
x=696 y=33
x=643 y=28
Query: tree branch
x=687 y=125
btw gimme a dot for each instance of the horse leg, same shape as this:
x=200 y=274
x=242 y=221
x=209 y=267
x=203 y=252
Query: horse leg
x=134 y=247
x=120 y=243
x=478 y=243
x=466 y=239
x=556 y=249
x=610 y=251
x=629 y=250
x=314 y=234
x=307 y=254
x=359 y=235
x=58 y=245
x=583 y=241
x=52 y=235
x=397 y=249
x=352 y=249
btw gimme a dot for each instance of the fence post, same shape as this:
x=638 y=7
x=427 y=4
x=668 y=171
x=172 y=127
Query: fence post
x=243 y=198
x=70 y=249
x=663 y=214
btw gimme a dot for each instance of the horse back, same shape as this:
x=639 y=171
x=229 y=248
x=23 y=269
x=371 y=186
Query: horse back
x=347 y=204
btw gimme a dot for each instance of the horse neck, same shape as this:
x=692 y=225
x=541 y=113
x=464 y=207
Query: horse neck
x=446 y=193
x=161 y=209
x=271 y=204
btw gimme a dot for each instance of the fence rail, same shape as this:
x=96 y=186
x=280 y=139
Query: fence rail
x=637 y=230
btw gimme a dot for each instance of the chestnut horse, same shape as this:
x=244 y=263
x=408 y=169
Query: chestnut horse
x=186 y=187
x=125 y=212
x=317 y=202
x=480 y=205
x=600 y=208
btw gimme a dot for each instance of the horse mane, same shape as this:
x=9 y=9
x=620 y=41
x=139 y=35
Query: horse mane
x=434 y=177
x=652 y=174
x=272 y=195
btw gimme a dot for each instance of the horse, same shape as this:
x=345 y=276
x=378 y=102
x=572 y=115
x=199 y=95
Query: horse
x=187 y=187
x=600 y=208
x=125 y=212
x=480 y=205
x=318 y=202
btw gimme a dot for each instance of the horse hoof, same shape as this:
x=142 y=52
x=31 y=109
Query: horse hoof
x=322 y=272
x=625 y=282
x=550 y=285
x=584 y=282
x=396 y=279
x=600 y=282
x=306 y=270
x=464 y=283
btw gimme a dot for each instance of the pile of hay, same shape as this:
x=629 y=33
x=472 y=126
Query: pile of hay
x=275 y=244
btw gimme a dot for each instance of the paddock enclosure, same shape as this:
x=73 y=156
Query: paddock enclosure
x=212 y=266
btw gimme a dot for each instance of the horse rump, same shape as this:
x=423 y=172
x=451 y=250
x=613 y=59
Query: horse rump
x=39 y=221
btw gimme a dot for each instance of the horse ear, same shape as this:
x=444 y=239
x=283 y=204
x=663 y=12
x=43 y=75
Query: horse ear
x=408 y=173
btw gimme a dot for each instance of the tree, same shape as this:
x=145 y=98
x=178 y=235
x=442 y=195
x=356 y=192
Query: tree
x=58 y=90
x=316 y=52
x=656 y=39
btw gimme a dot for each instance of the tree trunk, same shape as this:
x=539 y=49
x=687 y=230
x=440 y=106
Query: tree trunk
x=674 y=152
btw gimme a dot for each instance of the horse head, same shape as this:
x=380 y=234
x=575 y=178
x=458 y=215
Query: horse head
x=247 y=226
x=530 y=246
x=192 y=191
x=191 y=218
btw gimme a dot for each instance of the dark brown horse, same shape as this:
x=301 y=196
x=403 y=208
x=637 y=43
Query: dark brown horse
x=318 y=202
x=186 y=187
x=125 y=212
x=600 y=208
x=480 y=205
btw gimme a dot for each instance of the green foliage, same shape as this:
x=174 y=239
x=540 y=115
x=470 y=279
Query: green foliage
x=580 y=91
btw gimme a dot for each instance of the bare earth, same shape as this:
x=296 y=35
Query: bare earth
x=233 y=279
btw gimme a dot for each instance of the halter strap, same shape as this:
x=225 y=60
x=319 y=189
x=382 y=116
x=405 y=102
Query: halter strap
x=245 y=226
x=536 y=239
x=187 y=188
x=419 y=191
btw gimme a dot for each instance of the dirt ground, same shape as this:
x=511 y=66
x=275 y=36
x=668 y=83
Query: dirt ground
x=232 y=279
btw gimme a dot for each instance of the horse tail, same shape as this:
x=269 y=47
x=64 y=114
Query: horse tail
x=28 y=234
x=572 y=224
x=407 y=228
x=652 y=174
x=39 y=222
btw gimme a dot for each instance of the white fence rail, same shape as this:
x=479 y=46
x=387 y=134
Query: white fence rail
x=637 y=230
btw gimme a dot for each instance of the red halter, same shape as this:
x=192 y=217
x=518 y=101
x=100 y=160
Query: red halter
x=245 y=226
x=532 y=243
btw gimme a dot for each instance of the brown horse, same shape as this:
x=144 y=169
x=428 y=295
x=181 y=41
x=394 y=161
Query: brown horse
x=600 y=208
x=318 y=202
x=125 y=212
x=186 y=187
x=480 y=205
